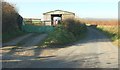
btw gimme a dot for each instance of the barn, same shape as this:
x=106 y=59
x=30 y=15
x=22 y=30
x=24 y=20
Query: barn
x=51 y=16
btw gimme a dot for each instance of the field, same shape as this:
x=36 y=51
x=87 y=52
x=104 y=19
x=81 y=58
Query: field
x=101 y=22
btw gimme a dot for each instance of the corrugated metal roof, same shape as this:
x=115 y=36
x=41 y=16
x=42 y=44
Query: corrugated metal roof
x=58 y=10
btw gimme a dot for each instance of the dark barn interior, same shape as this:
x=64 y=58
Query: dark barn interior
x=55 y=15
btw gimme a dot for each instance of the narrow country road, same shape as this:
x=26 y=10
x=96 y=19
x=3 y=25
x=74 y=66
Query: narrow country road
x=95 y=51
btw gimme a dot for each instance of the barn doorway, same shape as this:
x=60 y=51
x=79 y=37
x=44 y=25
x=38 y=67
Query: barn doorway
x=55 y=18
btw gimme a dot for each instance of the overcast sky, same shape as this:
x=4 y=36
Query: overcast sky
x=82 y=8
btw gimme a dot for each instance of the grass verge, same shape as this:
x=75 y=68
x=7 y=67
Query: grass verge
x=111 y=32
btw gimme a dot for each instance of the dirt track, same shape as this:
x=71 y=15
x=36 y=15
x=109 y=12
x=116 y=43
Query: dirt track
x=96 y=51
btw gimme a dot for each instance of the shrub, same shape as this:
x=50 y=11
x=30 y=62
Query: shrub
x=60 y=36
x=9 y=18
x=10 y=22
x=74 y=26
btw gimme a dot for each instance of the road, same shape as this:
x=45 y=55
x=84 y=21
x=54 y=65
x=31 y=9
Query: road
x=95 y=51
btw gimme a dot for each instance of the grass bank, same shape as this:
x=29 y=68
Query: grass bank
x=111 y=32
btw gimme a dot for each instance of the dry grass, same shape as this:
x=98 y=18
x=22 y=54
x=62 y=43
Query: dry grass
x=111 y=32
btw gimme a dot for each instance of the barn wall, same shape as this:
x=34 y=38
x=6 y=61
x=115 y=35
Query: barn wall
x=48 y=23
x=65 y=16
x=47 y=17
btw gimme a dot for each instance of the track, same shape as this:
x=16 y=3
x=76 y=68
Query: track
x=95 y=51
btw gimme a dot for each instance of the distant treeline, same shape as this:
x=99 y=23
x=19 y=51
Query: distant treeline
x=11 y=20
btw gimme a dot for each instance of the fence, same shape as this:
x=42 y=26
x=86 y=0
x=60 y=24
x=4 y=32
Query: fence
x=38 y=22
x=36 y=25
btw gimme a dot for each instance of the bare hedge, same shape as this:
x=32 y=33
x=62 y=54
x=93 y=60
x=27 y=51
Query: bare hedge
x=75 y=26
x=9 y=18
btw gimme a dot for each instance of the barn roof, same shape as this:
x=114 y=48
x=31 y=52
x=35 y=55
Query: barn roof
x=53 y=12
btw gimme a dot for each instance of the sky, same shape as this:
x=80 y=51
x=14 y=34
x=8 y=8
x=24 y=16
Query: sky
x=82 y=8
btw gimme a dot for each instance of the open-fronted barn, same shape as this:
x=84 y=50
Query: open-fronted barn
x=51 y=16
